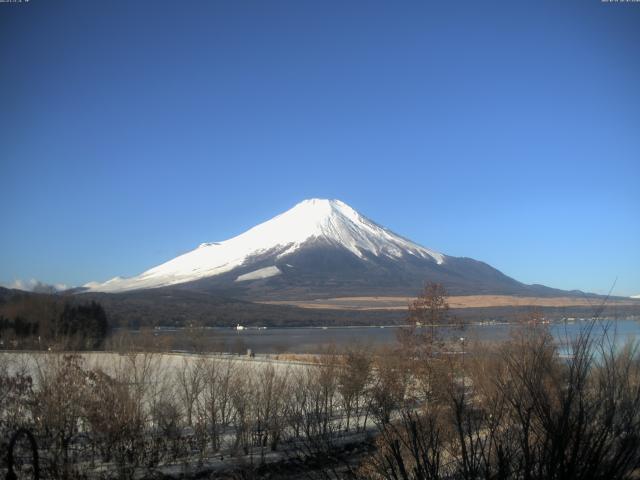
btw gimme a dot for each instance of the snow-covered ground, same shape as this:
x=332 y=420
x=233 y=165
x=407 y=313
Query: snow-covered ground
x=260 y=273
x=166 y=364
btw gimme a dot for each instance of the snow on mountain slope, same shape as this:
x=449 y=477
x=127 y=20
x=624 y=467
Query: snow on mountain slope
x=635 y=296
x=329 y=220
x=261 y=273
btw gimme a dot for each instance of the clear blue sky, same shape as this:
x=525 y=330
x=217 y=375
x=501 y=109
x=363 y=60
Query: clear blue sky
x=131 y=131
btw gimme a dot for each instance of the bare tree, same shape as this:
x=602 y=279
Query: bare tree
x=16 y=396
x=218 y=382
x=190 y=381
x=354 y=376
x=271 y=405
x=410 y=448
x=521 y=411
x=430 y=310
x=389 y=387
x=243 y=401
x=57 y=408
x=115 y=422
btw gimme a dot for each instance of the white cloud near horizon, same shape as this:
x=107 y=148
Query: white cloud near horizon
x=34 y=285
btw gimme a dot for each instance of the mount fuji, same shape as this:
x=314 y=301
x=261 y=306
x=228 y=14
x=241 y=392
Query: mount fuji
x=319 y=248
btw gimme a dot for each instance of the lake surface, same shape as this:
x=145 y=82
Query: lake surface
x=314 y=339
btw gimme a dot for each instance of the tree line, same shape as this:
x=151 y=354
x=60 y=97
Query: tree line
x=33 y=321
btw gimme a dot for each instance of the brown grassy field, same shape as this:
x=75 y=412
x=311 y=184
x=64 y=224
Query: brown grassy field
x=464 y=301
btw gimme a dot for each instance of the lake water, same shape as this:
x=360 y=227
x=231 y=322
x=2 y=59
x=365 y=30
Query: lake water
x=312 y=339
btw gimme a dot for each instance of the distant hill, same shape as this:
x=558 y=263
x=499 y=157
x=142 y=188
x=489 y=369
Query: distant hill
x=171 y=306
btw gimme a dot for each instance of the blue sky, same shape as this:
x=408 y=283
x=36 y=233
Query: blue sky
x=132 y=131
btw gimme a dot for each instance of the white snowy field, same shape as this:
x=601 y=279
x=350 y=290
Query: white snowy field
x=148 y=367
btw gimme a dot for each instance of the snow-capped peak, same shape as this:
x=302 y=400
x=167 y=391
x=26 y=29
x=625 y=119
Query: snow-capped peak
x=331 y=221
x=337 y=222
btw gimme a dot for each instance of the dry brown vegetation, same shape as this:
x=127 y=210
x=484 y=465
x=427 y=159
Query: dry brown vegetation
x=461 y=301
x=426 y=408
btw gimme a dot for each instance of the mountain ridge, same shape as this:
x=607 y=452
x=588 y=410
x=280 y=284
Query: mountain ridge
x=331 y=220
x=319 y=249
